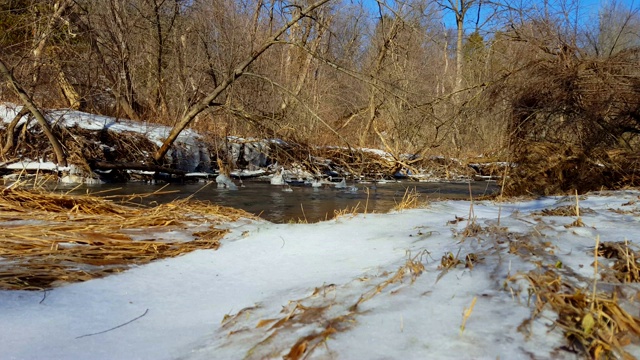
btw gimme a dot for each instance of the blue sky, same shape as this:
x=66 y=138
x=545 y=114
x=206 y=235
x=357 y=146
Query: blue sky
x=587 y=12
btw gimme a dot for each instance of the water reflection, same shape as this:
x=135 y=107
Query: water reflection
x=277 y=211
x=312 y=204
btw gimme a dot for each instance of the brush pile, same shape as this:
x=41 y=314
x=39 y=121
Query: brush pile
x=369 y=164
x=49 y=239
x=547 y=168
x=578 y=131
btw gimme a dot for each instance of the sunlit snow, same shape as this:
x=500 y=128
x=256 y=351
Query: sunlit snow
x=270 y=286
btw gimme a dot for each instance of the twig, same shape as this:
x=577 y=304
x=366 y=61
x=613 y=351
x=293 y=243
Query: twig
x=504 y=179
x=595 y=273
x=577 y=205
x=43 y=296
x=303 y=214
x=466 y=313
x=116 y=327
x=471 y=212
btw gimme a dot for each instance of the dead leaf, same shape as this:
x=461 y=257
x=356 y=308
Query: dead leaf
x=297 y=351
x=264 y=322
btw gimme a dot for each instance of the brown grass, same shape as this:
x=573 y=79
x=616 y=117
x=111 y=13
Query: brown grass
x=413 y=267
x=348 y=211
x=49 y=239
x=312 y=320
x=626 y=268
x=568 y=210
x=410 y=200
x=596 y=322
x=593 y=323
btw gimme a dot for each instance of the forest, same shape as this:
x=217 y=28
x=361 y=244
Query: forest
x=543 y=95
x=551 y=86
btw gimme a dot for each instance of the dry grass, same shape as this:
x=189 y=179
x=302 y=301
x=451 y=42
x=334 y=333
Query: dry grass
x=596 y=323
x=410 y=200
x=450 y=261
x=413 y=267
x=466 y=313
x=348 y=211
x=568 y=210
x=626 y=268
x=593 y=323
x=49 y=239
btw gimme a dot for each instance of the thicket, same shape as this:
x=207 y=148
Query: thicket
x=575 y=125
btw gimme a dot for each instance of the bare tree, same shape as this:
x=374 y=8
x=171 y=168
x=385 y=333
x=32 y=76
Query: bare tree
x=615 y=30
x=236 y=73
x=28 y=102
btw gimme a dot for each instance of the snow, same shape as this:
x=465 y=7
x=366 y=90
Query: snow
x=36 y=165
x=364 y=286
x=244 y=173
x=189 y=152
x=277 y=179
x=208 y=304
x=188 y=148
x=224 y=181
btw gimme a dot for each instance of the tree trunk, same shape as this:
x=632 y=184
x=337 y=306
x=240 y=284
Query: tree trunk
x=13 y=83
x=125 y=93
x=42 y=36
x=460 y=8
x=230 y=79
x=459 y=52
x=375 y=75
x=301 y=69
x=10 y=131
x=70 y=94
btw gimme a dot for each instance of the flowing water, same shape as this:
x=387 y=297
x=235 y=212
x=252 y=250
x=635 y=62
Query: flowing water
x=299 y=203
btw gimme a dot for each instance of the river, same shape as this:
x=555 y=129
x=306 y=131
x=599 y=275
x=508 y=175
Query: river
x=302 y=203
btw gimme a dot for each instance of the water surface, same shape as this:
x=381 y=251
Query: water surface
x=303 y=203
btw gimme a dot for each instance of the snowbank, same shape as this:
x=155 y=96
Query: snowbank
x=363 y=287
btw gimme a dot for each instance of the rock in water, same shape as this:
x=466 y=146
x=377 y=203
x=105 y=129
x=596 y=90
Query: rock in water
x=224 y=181
x=277 y=179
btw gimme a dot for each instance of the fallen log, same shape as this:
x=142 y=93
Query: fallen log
x=101 y=165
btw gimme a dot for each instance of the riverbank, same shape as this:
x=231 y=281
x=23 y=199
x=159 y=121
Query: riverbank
x=517 y=279
x=104 y=149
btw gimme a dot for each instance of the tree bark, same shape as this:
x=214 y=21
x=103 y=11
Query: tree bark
x=300 y=70
x=55 y=143
x=125 y=93
x=70 y=94
x=10 y=131
x=42 y=36
x=374 y=103
x=230 y=79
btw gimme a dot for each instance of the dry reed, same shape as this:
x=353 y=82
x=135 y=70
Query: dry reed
x=410 y=200
x=49 y=239
x=594 y=323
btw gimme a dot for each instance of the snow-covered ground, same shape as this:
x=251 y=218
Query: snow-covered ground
x=370 y=286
